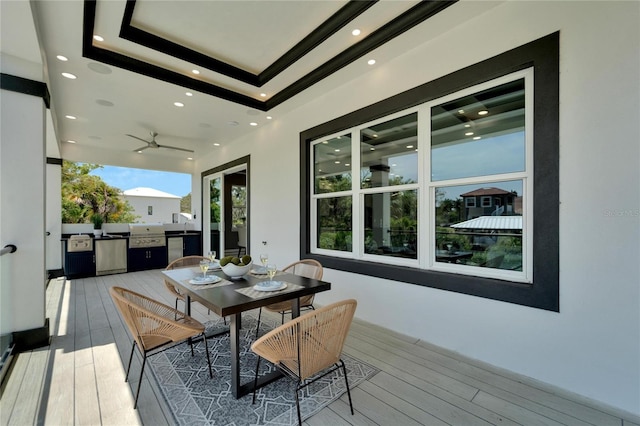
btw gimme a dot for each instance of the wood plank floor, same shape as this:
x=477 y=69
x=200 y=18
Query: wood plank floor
x=79 y=378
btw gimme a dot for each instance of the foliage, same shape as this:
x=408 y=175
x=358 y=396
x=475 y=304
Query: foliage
x=97 y=220
x=85 y=195
x=185 y=204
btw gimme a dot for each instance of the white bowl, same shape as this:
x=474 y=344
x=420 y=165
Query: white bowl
x=236 y=271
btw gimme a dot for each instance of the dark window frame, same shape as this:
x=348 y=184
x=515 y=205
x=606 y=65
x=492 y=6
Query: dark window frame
x=543 y=293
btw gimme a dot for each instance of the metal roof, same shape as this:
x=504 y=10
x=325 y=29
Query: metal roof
x=491 y=222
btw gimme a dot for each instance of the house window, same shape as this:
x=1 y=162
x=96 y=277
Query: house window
x=150 y=210
x=445 y=188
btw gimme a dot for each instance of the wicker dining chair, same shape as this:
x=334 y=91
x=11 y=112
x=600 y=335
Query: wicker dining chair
x=309 y=347
x=181 y=263
x=309 y=268
x=153 y=327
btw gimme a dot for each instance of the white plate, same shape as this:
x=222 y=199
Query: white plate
x=214 y=265
x=270 y=286
x=211 y=279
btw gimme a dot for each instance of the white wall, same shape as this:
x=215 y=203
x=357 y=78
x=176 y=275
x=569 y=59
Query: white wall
x=592 y=346
x=22 y=197
x=163 y=208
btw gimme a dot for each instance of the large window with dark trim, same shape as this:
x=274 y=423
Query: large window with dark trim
x=452 y=185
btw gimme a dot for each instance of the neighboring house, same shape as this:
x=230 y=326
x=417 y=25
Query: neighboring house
x=151 y=205
x=491 y=202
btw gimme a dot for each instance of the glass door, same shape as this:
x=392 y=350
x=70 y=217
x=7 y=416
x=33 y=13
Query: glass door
x=213 y=235
x=225 y=200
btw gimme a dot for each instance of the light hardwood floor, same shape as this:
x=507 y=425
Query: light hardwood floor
x=79 y=378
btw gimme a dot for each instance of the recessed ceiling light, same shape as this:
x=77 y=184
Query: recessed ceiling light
x=355 y=32
x=69 y=75
x=62 y=58
x=139 y=152
x=70 y=117
x=216 y=144
x=375 y=135
x=371 y=61
x=468 y=134
x=253 y=123
x=483 y=112
x=195 y=72
x=337 y=150
x=263 y=95
x=189 y=94
x=268 y=117
x=467 y=125
x=178 y=104
x=460 y=111
x=409 y=146
x=337 y=162
x=98 y=38
x=476 y=138
x=372 y=149
x=347 y=164
x=70 y=141
x=189 y=158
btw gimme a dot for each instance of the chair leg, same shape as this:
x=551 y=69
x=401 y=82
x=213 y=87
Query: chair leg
x=298 y=408
x=258 y=325
x=133 y=347
x=255 y=382
x=206 y=348
x=144 y=361
x=346 y=382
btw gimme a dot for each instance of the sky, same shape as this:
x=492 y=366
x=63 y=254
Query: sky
x=125 y=178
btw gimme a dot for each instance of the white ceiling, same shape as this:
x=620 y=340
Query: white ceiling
x=111 y=102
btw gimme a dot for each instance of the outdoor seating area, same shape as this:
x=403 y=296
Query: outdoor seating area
x=80 y=377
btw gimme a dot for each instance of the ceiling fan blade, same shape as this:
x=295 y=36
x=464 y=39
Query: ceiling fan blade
x=140 y=139
x=175 y=147
x=141 y=149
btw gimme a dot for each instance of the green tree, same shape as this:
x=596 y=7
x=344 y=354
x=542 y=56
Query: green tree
x=185 y=204
x=84 y=195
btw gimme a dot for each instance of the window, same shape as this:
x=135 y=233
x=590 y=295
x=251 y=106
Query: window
x=445 y=193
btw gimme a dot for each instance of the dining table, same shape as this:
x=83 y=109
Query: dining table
x=231 y=297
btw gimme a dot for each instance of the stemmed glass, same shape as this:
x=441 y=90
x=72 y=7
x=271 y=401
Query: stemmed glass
x=204 y=267
x=212 y=255
x=271 y=271
x=264 y=258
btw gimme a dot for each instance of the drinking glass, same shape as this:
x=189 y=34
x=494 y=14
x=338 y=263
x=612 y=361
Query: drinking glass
x=264 y=258
x=271 y=271
x=212 y=255
x=204 y=267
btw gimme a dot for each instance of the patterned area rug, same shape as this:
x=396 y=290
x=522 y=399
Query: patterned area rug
x=196 y=399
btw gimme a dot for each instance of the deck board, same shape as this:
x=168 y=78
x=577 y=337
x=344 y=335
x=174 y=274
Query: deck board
x=79 y=378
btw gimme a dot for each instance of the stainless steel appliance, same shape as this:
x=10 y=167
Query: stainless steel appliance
x=174 y=248
x=111 y=256
x=80 y=242
x=145 y=235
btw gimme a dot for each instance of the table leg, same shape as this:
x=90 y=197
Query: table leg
x=295 y=308
x=187 y=305
x=234 y=341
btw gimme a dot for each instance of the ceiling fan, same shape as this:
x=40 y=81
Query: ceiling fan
x=154 y=144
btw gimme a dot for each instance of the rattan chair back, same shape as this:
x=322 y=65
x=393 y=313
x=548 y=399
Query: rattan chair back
x=181 y=263
x=310 y=343
x=154 y=325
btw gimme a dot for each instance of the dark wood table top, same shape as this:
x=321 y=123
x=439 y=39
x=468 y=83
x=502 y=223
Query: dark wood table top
x=224 y=300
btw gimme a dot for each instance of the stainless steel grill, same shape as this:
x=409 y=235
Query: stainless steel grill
x=79 y=243
x=142 y=235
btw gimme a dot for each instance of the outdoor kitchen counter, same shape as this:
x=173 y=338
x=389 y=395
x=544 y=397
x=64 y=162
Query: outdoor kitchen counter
x=80 y=260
